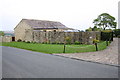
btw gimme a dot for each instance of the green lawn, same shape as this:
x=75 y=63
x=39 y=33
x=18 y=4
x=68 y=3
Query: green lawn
x=0 y=43
x=55 y=48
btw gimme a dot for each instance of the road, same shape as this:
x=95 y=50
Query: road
x=19 y=63
x=0 y=62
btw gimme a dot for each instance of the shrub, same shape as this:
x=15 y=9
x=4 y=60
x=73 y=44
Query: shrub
x=28 y=42
x=96 y=41
x=56 y=42
x=44 y=42
x=23 y=40
x=19 y=40
x=68 y=40
x=116 y=32
x=77 y=42
x=48 y=42
x=34 y=42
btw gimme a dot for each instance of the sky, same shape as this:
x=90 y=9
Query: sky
x=77 y=14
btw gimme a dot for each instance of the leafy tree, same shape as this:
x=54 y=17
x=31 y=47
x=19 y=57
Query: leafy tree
x=105 y=20
x=89 y=29
x=1 y=33
x=94 y=29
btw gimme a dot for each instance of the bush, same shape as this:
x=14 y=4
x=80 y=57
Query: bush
x=19 y=40
x=96 y=41
x=44 y=42
x=56 y=42
x=116 y=32
x=77 y=42
x=24 y=41
x=68 y=40
x=33 y=42
x=48 y=42
x=28 y=42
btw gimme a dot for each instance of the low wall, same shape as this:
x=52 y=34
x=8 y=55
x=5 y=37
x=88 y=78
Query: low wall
x=6 y=38
x=0 y=38
x=59 y=37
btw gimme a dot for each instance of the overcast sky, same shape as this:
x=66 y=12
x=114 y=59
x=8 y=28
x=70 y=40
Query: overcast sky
x=78 y=14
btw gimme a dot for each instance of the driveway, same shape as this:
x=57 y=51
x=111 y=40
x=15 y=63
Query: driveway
x=19 y=63
x=107 y=56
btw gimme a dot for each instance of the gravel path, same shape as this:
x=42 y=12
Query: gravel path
x=107 y=56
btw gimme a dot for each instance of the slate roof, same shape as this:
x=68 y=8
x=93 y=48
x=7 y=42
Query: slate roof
x=44 y=24
x=10 y=34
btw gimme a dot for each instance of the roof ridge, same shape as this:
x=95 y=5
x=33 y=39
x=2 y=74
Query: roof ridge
x=34 y=23
x=39 y=20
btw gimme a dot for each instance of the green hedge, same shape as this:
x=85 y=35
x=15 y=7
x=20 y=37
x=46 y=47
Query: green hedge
x=116 y=32
x=107 y=35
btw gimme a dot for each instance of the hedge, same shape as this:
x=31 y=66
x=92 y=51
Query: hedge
x=107 y=35
x=116 y=32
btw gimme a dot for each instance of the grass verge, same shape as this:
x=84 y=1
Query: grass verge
x=55 y=48
x=0 y=43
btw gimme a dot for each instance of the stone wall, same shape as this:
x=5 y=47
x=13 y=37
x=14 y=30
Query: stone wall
x=0 y=38
x=6 y=38
x=59 y=37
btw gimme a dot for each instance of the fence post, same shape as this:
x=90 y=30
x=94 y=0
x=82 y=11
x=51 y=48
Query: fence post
x=64 y=47
x=96 y=46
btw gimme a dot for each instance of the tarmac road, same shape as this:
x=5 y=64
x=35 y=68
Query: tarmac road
x=0 y=62
x=19 y=63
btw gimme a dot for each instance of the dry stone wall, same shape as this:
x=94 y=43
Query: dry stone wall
x=59 y=37
x=6 y=39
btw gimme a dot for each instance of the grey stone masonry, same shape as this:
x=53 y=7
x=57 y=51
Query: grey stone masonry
x=59 y=37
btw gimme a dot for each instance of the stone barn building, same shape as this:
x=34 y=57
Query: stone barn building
x=42 y=31
x=8 y=36
x=38 y=25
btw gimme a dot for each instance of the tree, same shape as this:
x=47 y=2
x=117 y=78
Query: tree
x=93 y=29
x=105 y=20
x=1 y=33
x=89 y=29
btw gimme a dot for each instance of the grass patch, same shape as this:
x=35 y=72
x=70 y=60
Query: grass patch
x=55 y=48
x=0 y=43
